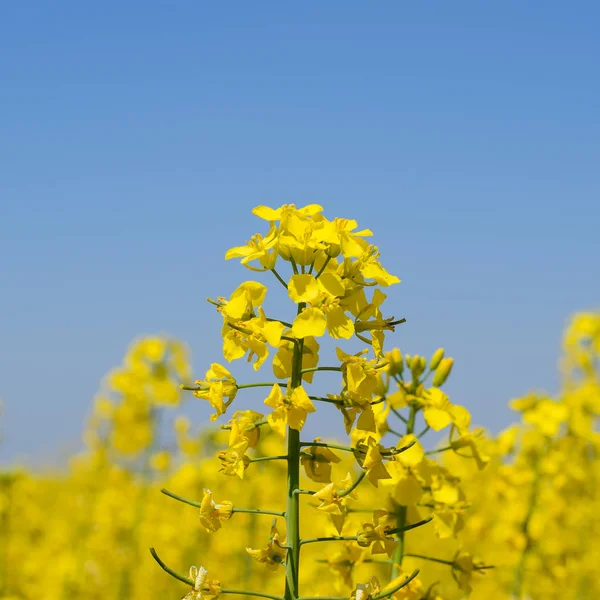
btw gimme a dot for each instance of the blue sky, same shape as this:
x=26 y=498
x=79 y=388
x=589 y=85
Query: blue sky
x=136 y=137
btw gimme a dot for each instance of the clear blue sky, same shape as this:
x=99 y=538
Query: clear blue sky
x=135 y=137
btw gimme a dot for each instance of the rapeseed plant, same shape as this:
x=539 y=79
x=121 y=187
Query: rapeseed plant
x=335 y=281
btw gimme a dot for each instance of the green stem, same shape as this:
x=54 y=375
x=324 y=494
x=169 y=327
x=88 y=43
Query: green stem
x=262 y=458
x=409 y=527
x=170 y=571
x=441 y=561
x=322 y=399
x=258 y=511
x=260 y=384
x=326 y=445
x=292 y=518
x=242 y=386
x=280 y=278
x=280 y=321
x=397 y=413
x=420 y=435
x=353 y=486
x=245 y=593
x=410 y=425
x=235 y=509
x=438 y=450
x=334 y=538
x=391 y=452
x=401 y=511
x=313 y=369
x=403 y=583
x=392 y=431
x=323 y=267
x=294 y=265
x=450 y=563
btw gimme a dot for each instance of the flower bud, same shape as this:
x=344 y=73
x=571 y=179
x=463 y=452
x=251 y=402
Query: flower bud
x=442 y=372
x=333 y=250
x=436 y=359
x=395 y=362
x=417 y=366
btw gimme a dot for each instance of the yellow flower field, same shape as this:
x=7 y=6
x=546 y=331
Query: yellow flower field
x=413 y=504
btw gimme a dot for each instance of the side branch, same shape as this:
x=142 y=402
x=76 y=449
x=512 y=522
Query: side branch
x=242 y=386
x=170 y=571
x=390 y=452
x=450 y=563
x=409 y=527
x=405 y=582
x=235 y=509
x=279 y=278
x=188 y=581
x=314 y=369
x=349 y=490
x=333 y=538
x=263 y=458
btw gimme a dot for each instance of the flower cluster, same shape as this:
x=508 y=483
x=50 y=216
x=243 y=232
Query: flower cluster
x=335 y=280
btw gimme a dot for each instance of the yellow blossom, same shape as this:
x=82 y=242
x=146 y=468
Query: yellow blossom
x=264 y=250
x=290 y=409
x=375 y=535
x=272 y=555
x=368 y=453
x=212 y=514
x=243 y=426
x=332 y=503
x=204 y=588
x=365 y=591
x=217 y=385
x=234 y=461
x=316 y=461
x=323 y=310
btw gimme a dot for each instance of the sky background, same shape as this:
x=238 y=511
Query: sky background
x=136 y=137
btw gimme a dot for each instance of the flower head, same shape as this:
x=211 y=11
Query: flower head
x=332 y=503
x=244 y=426
x=217 y=385
x=234 y=461
x=316 y=461
x=290 y=409
x=365 y=591
x=212 y=514
x=375 y=535
x=273 y=554
x=204 y=588
x=368 y=453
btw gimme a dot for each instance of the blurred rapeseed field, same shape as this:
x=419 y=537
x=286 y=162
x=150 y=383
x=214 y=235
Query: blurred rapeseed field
x=415 y=504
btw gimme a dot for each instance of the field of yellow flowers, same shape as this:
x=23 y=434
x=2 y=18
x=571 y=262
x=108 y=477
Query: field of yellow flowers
x=414 y=504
